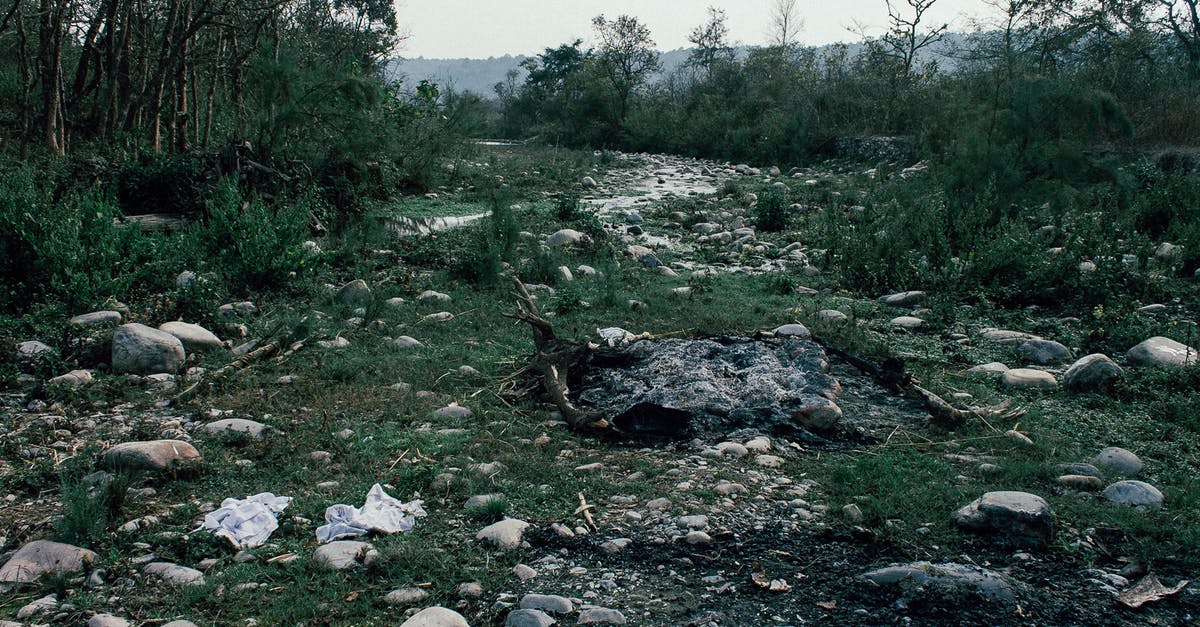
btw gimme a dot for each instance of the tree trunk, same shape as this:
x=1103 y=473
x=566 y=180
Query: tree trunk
x=51 y=15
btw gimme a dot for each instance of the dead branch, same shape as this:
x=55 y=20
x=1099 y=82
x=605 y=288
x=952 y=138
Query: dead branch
x=552 y=362
x=948 y=416
x=241 y=363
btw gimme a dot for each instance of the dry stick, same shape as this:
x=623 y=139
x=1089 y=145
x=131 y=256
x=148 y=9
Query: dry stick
x=586 y=509
x=241 y=363
x=945 y=414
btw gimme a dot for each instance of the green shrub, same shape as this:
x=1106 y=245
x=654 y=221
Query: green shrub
x=771 y=211
x=91 y=502
x=72 y=249
x=254 y=244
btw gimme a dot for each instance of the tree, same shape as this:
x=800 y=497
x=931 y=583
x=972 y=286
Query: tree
x=627 y=55
x=786 y=24
x=711 y=41
x=1182 y=19
x=906 y=37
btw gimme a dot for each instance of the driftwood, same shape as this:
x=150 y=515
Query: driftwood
x=262 y=353
x=552 y=362
x=891 y=375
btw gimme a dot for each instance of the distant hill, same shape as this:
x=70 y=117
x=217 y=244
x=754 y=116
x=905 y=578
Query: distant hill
x=482 y=75
x=475 y=75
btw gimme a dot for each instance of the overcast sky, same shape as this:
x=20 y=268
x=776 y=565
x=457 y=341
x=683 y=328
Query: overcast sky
x=484 y=28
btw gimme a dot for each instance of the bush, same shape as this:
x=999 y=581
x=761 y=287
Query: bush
x=256 y=244
x=72 y=249
x=771 y=211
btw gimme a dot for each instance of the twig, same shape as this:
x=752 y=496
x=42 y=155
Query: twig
x=586 y=509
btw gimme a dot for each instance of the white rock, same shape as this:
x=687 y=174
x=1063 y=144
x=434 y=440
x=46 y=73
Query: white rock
x=992 y=368
x=797 y=331
x=251 y=428
x=405 y=342
x=436 y=616
x=432 y=295
x=174 y=574
x=74 y=379
x=139 y=349
x=907 y=322
x=194 y=337
x=107 y=620
x=43 y=557
x=1029 y=379
x=506 y=534
x=154 y=455
x=564 y=237
x=343 y=554
x=405 y=596
x=1162 y=352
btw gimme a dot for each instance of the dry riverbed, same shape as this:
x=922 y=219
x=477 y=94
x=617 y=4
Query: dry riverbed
x=827 y=497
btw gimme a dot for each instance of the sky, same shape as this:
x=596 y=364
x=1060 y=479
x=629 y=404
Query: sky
x=486 y=28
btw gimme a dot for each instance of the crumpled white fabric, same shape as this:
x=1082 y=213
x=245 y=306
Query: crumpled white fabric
x=381 y=513
x=248 y=522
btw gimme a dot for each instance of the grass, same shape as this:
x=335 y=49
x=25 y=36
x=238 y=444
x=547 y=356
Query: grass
x=398 y=441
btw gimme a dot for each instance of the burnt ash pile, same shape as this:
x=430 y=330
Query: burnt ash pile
x=678 y=387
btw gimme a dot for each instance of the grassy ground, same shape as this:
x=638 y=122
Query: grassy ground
x=906 y=481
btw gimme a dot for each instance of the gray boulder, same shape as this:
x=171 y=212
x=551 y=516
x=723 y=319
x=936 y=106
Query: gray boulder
x=139 y=349
x=1004 y=336
x=1044 y=352
x=96 y=319
x=1093 y=372
x=436 y=616
x=903 y=299
x=154 y=455
x=1119 y=461
x=343 y=554
x=1162 y=352
x=529 y=618
x=988 y=583
x=1020 y=516
x=43 y=557
x=1134 y=493
x=600 y=616
x=194 y=337
x=29 y=351
x=355 y=294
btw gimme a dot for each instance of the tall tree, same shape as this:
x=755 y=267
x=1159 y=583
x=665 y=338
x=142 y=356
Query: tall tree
x=907 y=36
x=785 y=24
x=711 y=41
x=626 y=52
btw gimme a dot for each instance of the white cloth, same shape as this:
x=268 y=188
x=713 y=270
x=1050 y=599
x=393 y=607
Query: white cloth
x=381 y=514
x=247 y=523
